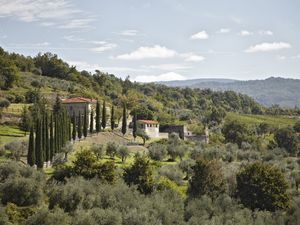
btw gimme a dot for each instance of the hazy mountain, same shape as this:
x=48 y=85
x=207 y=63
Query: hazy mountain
x=274 y=90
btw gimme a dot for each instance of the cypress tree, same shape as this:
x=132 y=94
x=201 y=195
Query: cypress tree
x=39 y=145
x=98 y=126
x=47 y=149
x=112 y=118
x=85 y=125
x=69 y=130
x=74 y=127
x=43 y=131
x=55 y=134
x=134 y=128
x=103 y=122
x=79 y=127
x=51 y=138
x=124 y=121
x=92 y=122
x=31 y=150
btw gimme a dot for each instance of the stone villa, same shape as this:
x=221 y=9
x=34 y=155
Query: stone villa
x=79 y=104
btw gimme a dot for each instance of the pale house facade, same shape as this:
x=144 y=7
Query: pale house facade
x=79 y=104
x=151 y=127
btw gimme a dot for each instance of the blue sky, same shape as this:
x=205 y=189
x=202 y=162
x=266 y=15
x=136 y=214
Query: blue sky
x=160 y=39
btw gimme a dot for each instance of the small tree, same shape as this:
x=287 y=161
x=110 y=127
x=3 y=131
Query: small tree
x=31 y=150
x=92 y=122
x=140 y=174
x=67 y=149
x=142 y=134
x=98 y=150
x=123 y=153
x=85 y=123
x=26 y=122
x=74 y=127
x=134 y=128
x=288 y=139
x=112 y=118
x=103 y=122
x=98 y=125
x=157 y=151
x=111 y=149
x=39 y=151
x=124 y=120
x=262 y=186
x=79 y=126
x=4 y=103
x=207 y=179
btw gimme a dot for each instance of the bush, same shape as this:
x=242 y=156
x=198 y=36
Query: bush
x=123 y=152
x=111 y=149
x=207 y=179
x=98 y=150
x=157 y=152
x=262 y=186
x=49 y=217
x=172 y=172
x=22 y=191
x=140 y=174
x=4 y=103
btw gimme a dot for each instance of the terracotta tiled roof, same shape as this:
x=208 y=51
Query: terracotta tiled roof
x=79 y=100
x=148 y=121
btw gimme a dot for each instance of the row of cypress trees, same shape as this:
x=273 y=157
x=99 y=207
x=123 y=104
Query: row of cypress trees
x=48 y=137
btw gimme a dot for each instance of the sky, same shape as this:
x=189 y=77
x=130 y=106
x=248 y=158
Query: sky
x=154 y=40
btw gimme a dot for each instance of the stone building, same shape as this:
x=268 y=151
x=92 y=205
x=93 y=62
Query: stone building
x=79 y=104
x=151 y=127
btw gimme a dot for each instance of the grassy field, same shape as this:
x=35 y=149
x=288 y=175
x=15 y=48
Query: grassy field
x=10 y=133
x=15 y=109
x=277 y=121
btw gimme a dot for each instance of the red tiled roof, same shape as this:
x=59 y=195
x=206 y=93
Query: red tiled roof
x=148 y=121
x=79 y=100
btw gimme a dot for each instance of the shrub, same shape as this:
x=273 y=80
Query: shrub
x=157 y=152
x=262 y=186
x=98 y=150
x=111 y=149
x=123 y=152
x=21 y=191
x=172 y=172
x=49 y=217
x=140 y=174
x=207 y=179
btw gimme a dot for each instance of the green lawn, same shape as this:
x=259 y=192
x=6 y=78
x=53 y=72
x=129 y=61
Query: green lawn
x=15 y=109
x=277 y=121
x=10 y=133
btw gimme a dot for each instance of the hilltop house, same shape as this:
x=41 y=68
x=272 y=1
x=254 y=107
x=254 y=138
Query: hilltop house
x=79 y=104
x=151 y=127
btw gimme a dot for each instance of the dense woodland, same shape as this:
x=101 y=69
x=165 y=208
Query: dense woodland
x=249 y=173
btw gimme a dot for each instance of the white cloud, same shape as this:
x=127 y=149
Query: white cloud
x=281 y=57
x=223 y=31
x=162 y=77
x=200 y=35
x=145 y=52
x=265 y=32
x=168 y=67
x=245 y=33
x=72 y=38
x=81 y=65
x=48 y=13
x=264 y=47
x=129 y=32
x=91 y=67
x=103 y=46
x=192 y=57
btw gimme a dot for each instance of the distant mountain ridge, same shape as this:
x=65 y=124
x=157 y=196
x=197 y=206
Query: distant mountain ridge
x=274 y=90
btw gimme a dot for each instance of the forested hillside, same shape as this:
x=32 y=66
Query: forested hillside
x=22 y=77
x=268 y=92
